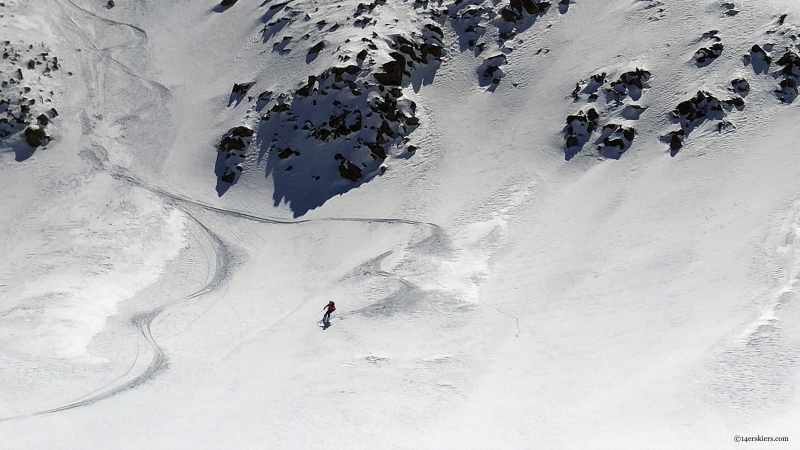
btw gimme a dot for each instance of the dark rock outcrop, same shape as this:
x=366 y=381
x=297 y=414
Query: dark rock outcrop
x=232 y=152
x=393 y=71
x=759 y=59
x=616 y=109
x=489 y=72
x=517 y=10
x=26 y=96
x=580 y=127
x=616 y=139
x=693 y=112
x=35 y=136
x=316 y=48
x=706 y=55
x=740 y=86
x=630 y=83
x=790 y=76
x=241 y=88
x=349 y=171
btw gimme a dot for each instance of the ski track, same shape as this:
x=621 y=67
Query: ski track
x=143 y=321
x=223 y=256
x=221 y=274
x=222 y=259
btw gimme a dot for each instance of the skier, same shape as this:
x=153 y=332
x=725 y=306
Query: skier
x=331 y=307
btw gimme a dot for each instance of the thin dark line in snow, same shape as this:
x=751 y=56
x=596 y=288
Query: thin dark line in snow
x=509 y=315
x=223 y=256
x=143 y=321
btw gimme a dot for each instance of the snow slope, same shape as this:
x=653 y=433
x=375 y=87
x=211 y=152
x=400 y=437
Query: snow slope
x=496 y=288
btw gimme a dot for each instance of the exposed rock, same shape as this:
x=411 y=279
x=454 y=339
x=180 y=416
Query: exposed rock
x=629 y=83
x=730 y=10
x=788 y=75
x=616 y=140
x=693 y=112
x=740 y=86
x=355 y=109
x=26 y=98
x=516 y=10
x=349 y=171
x=316 y=48
x=228 y=177
x=706 y=55
x=580 y=127
x=759 y=59
x=616 y=137
x=699 y=107
x=232 y=152
x=35 y=136
x=788 y=90
x=675 y=140
x=489 y=72
x=241 y=131
x=393 y=71
x=791 y=64
x=241 y=89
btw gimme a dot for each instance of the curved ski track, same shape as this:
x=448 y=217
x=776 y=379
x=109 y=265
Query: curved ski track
x=222 y=271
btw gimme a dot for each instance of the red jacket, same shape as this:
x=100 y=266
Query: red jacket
x=331 y=306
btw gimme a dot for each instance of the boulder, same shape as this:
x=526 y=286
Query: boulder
x=35 y=136
x=241 y=89
x=707 y=54
x=740 y=86
x=392 y=74
x=349 y=171
x=316 y=48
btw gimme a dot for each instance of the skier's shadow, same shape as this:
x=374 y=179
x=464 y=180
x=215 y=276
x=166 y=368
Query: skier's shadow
x=325 y=324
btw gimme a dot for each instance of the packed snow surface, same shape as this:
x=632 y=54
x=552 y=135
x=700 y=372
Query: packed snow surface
x=567 y=225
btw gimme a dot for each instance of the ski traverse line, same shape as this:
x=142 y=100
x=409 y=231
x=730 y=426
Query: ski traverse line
x=222 y=272
x=121 y=174
x=222 y=259
x=143 y=321
x=118 y=173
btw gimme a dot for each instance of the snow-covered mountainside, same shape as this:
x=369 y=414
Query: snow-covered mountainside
x=544 y=225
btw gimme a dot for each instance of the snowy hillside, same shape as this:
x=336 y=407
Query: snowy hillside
x=544 y=225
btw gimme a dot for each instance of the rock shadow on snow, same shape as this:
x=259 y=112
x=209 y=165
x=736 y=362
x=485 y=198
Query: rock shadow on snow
x=758 y=59
x=692 y=113
x=231 y=155
x=223 y=6
x=238 y=93
x=273 y=21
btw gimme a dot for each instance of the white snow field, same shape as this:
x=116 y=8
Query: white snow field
x=502 y=281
